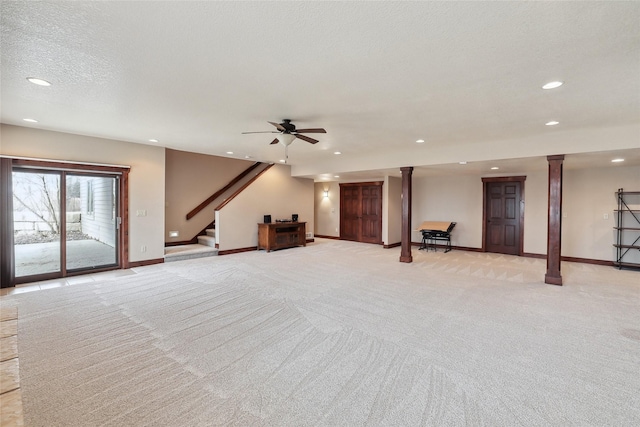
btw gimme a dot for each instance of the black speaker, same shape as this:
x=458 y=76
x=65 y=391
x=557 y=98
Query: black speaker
x=267 y=219
x=294 y=217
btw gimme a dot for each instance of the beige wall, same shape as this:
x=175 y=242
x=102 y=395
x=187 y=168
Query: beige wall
x=588 y=194
x=535 y=212
x=274 y=193
x=392 y=210
x=190 y=179
x=449 y=198
x=146 y=179
x=327 y=209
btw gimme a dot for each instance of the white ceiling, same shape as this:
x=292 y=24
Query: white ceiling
x=464 y=76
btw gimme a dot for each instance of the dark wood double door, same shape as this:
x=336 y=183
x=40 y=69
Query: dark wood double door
x=361 y=212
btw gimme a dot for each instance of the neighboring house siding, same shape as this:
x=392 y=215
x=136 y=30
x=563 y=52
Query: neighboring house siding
x=98 y=209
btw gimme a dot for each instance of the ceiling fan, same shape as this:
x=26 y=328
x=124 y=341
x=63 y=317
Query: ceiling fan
x=288 y=133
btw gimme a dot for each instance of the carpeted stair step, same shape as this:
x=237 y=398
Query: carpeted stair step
x=182 y=252
x=211 y=232
x=207 y=241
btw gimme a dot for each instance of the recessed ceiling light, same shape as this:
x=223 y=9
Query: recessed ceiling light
x=229 y=152
x=153 y=140
x=30 y=120
x=552 y=85
x=336 y=176
x=462 y=163
x=420 y=141
x=281 y=160
x=247 y=157
x=495 y=168
x=38 y=82
x=552 y=123
x=617 y=160
x=337 y=152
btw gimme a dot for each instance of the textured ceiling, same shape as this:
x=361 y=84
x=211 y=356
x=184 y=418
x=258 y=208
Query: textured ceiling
x=464 y=76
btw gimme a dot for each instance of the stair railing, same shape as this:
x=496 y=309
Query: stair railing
x=218 y=193
x=239 y=190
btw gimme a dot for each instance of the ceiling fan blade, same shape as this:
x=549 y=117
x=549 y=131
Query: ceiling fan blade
x=280 y=128
x=275 y=141
x=306 y=138
x=264 y=131
x=317 y=130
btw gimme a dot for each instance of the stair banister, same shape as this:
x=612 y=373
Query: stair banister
x=218 y=193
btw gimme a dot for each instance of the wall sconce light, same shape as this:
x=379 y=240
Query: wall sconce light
x=325 y=193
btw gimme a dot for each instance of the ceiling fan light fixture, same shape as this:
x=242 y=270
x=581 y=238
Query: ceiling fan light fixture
x=286 y=139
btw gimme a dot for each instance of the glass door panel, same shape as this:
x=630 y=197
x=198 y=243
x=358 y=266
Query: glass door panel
x=36 y=222
x=92 y=221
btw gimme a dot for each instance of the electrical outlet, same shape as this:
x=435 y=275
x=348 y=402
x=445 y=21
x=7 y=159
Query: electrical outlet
x=143 y=248
x=606 y=216
x=336 y=229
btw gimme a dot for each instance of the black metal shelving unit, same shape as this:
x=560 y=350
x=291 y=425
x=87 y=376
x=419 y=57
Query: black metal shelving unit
x=627 y=227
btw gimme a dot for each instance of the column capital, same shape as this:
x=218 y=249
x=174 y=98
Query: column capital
x=555 y=157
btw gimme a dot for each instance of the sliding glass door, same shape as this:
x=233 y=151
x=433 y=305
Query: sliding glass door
x=36 y=222
x=91 y=222
x=64 y=222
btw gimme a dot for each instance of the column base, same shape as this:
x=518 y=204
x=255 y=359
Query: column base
x=552 y=279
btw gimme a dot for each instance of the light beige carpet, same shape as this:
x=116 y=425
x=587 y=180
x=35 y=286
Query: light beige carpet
x=337 y=333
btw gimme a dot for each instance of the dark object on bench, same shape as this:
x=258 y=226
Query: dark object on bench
x=433 y=232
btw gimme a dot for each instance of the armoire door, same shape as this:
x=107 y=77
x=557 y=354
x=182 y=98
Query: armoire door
x=361 y=212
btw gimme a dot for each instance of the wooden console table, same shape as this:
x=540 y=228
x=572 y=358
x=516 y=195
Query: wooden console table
x=280 y=235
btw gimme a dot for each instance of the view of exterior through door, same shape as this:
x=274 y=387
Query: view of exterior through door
x=63 y=222
x=504 y=215
x=361 y=212
x=36 y=222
